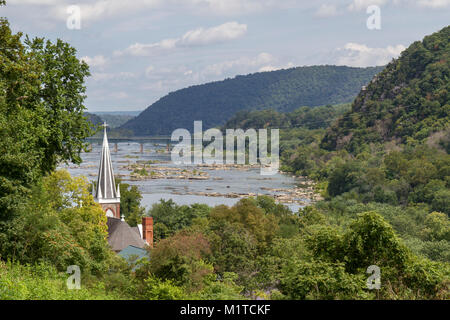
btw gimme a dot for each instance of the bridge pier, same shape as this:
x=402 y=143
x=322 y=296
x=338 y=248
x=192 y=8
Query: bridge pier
x=114 y=142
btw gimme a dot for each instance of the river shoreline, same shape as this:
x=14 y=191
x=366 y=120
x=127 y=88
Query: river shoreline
x=158 y=178
x=304 y=195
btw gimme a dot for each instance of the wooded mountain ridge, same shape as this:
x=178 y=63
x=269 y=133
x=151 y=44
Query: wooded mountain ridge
x=283 y=90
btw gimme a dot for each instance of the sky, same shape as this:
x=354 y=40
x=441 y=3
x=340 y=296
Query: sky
x=140 y=50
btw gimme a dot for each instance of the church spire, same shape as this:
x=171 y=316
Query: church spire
x=106 y=187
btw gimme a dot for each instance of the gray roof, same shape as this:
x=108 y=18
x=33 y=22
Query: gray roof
x=106 y=185
x=121 y=235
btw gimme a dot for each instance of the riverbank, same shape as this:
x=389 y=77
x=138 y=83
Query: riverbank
x=303 y=195
x=158 y=178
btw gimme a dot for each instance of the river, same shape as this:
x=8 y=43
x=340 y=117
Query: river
x=184 y=191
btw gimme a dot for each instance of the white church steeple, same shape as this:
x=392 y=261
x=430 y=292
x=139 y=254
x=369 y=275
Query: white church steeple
x=106 y=193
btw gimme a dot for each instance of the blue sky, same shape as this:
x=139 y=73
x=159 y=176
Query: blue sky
x=140 y=50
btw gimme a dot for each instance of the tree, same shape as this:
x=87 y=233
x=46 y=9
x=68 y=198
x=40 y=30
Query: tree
x=181 y=259
x=62 y=226
x=130 y=204
x=250 y=217
x=343 y=178
x=321 y=280
x=41 y=112
x=170 y=217
x=371 y=240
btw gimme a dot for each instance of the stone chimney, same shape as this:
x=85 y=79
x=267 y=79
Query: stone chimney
x=147 y=230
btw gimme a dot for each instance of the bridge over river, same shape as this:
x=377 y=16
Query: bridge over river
x=164 y=140
x=141 y=140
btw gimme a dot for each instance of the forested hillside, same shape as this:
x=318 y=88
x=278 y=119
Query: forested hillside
x=407 y=102
x=392 y=146
x=400 y=171
x=92 y=117
x=113 y=120
x=284 y=90
x=306 y=117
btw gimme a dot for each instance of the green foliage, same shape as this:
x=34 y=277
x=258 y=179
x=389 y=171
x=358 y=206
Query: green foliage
x=41 y=112
x=223 y=288
x=114 y=120
x=156 y=289
x=170 y=217
x=234 y=249
x=408 y=101
x=283 y=90
x=63 y=226
x=181 y=259
x=436 y=227
x=43 y=282
x=324 y=255
x=372 y=241
x=306 y=117
x=246 y=213
x=339 y=259
x=321 y=280
x=94 y=119
x=130 y=203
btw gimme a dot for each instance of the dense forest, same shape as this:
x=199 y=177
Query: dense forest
x=386 y=153
x=406 y=103
x=113 y=120
x=386 y=202
x=283 y=90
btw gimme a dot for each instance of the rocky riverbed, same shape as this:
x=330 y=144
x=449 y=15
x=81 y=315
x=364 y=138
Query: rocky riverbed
x=153 y=172
x=304 y=194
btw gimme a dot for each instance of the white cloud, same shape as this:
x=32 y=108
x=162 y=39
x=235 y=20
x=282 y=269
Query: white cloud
x=105 y=9
x=260 y=63
x=231 y=7
x=102 y=9
x=243 y=63
x=164 y=72
x=360 y=55
x=101 y=76
x=327 y=10
x=274 y=68
x=106 y=76
x=198 y=37
x=164 y=79
x=33 y=2
x=434 y=3
x=96 y=61
x=224 y=32
x=357 y=5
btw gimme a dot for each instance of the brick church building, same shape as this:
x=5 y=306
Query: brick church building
x=121 y=237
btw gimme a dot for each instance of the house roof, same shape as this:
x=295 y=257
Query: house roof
x=121 y=235
x=132 y=253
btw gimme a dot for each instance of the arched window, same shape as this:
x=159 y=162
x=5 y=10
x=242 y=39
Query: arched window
x=109 y=213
